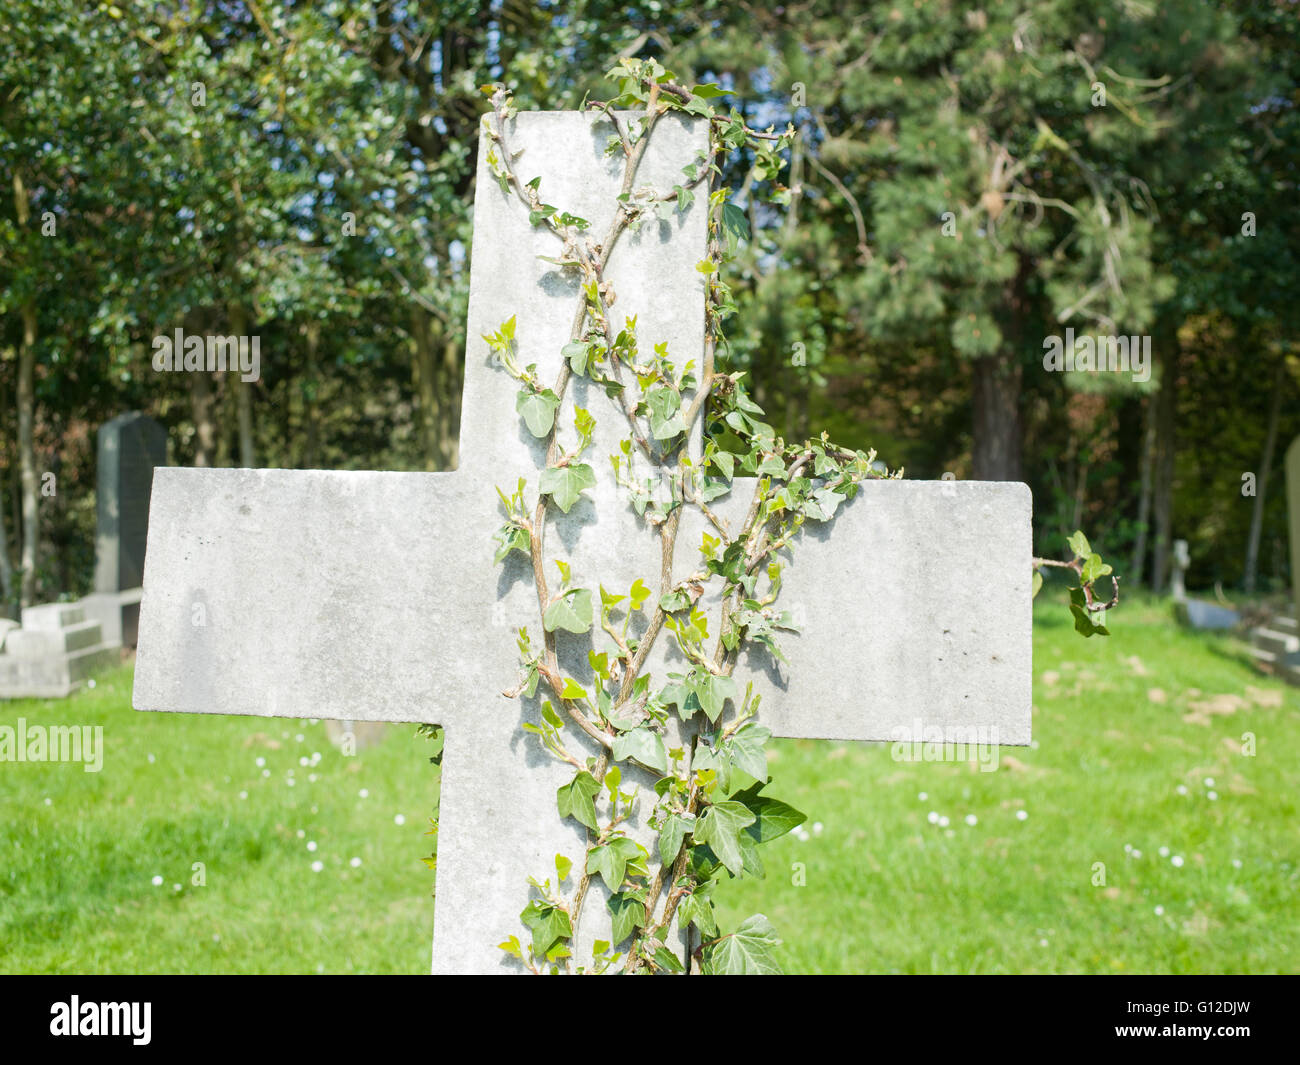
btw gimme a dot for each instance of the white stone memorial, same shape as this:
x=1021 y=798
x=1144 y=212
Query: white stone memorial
x=374 y=597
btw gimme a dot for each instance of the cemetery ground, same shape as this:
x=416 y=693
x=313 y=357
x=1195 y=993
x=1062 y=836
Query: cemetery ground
x=907 y=867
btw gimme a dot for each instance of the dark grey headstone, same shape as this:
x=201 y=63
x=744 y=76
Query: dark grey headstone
x=130 y=446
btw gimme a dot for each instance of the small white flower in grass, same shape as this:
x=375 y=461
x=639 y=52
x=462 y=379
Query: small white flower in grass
x=943 y=822
x=49 y=801
x=90 y=683
x=1137 y=854
x=1022 y=815
x=1212 y=795
x=932 y=817
x=316 y=867
x=1181 y=789
x=1042 y=942
x=298 y=738
x=364 y=793
x=304 y=761
x=312 y=778
x=1163 y=852
x=302 y=834
x=291 y=782
x=216 y=937
x=152 y=759
x=400 y=819
x=1177 y=861
x=315 y=757
x=266 y=772
x=243 y=795
x=923 y=796
x=157 y=881
x=1236 y=863
x=801 y=834
x=355 y=863
x=311 y=845
x=1160 y=911
x=260 y=762
x=176 y=887
x=1209 y=782
x=1128 y=848
x=972 y=820
x=817 y=828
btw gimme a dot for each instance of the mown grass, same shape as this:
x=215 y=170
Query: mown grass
x=869 y=885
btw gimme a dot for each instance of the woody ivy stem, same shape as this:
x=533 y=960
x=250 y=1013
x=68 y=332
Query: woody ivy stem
x=710 y=811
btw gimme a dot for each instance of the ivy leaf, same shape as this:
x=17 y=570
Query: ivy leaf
x=572 y=612
x=562 y=867
x=748 y=753
x=672 y=835
x=697 y=908
x=734 y=224
x=772 y=817
x=720 y=826
x=748 y=951
x=1094 y=569
x=1083 y=623
x=1038 y=585
x=610 y=861
x=711 y=691
x=639 y=593
x=628 y=911
x=565 y=484
x=709 y=90
x=538 y=410
x=1079 y=544
x=645 y=746
x=665 y=408
x=511 y=538
x=666 y=959
x=673 y=601
x=577 y=352
x=577 y=799
x=547 y=923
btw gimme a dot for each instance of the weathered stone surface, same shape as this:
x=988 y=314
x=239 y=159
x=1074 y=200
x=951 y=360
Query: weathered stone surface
x=373 y=596
x=50 y=617
x=118 y=614
x=130 y=446
x=36 y=643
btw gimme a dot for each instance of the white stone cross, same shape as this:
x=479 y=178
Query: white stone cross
x=373 y=596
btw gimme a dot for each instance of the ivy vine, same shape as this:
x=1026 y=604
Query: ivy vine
x=710 y=808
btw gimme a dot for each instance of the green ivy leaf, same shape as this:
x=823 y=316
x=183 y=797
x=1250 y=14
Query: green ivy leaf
x=511 y=538
x=565 y=484
x=748 y=751
x=712 y=692
x=697 y=909
x=547 y=923
x=1079 y=544
x=772 y=817
x=1038 y=585
x=610 y=860
x=628 y=911
x=665 y=407
x=748 y=951
x=720 y=826
x=572 y=612
x=577 y=799
x=1094 y=569
x=644 y=745
x=672 y=835
x=577 y=352
x=538 y=410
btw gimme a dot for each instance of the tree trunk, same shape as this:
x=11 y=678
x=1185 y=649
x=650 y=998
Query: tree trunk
x=311 y=396
x=243 y=394
x=1138 y=562
x=1261 y=488
x=996 y=454
x=1166 y=452
x=205 y=426
x=424 y=377
x=27 y=454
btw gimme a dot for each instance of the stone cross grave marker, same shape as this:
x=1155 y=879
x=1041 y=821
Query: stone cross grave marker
x=373 y=596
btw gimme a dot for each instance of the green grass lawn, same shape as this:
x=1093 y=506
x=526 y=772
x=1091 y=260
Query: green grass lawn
x=1128 y=734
